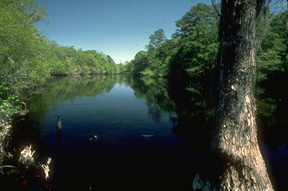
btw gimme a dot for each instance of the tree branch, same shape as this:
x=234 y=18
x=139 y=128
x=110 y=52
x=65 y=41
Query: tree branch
x=215 y=7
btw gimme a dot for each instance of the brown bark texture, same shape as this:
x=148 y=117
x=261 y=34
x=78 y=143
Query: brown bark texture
x=235 y=161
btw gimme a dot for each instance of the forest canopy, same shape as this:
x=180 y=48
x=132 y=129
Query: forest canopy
x=28 y=59
x=189 y=56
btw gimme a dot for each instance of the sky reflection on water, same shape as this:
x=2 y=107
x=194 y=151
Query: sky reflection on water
x=134 y=151
x=142 y=142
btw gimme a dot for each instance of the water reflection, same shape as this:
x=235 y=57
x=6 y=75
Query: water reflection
x=194 y=120
x=135 y=146
x=272 y=124
x=59 y=137
x=129 y=141
x=195 y=112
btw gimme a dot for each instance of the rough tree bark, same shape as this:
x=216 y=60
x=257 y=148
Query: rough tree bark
x=235 y=161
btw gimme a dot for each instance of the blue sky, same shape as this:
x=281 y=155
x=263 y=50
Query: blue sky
x=119 y=28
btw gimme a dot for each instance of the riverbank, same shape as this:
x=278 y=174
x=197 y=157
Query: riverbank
x=5 y=128
x=19 y=168
x=109 y=106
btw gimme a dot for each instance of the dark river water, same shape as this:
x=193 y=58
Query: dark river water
x=146 y=139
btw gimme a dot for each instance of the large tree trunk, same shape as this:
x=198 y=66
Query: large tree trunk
x=235 y=161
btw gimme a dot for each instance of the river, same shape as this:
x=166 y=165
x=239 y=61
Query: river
x=145 y=139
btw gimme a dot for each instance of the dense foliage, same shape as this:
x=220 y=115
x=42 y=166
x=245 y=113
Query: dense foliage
x=68 y=60
x=188 y=60
x=189 y=57
x=28 y=59
x=27 y=56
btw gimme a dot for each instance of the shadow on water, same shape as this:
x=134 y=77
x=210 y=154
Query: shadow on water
x=273 y=130
x=194 y=111
x=194 y=121
x=59 y=137
x=134 y=152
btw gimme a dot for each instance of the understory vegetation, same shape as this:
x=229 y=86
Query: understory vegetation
x=28 y=60
x=187 y=60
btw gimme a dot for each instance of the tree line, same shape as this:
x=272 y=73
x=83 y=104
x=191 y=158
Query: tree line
x=188 y=58
x=27 y=56
x=221 y=47
x=204 y=36
x=28 y=59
